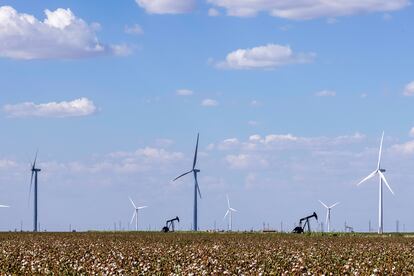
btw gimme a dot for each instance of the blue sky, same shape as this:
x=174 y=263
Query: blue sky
x=290 y=101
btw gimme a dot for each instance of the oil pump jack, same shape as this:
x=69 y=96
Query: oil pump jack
x=299 y=229
x=169 y=225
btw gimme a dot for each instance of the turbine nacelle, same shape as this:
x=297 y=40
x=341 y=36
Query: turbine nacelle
x=382 y=170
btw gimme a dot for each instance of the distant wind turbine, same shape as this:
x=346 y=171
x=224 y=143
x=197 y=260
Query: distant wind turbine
x=196 y=187
x=229 y=213
x=328 y=214
x=135 y=214
x=34 y=171
x=380 y=172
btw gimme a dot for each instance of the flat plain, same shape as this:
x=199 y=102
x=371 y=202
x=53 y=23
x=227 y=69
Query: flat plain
x=146 y=253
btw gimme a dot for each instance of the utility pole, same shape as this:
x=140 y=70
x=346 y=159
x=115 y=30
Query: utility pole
x=369 y=227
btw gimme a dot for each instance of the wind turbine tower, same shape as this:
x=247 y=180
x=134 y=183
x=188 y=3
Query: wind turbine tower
x=35 y=171
x=380 y=172
x=328 y=214
x=196 y=187
x=230 y=214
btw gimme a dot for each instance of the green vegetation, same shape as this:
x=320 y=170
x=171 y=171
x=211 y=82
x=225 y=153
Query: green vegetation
x=204 y=253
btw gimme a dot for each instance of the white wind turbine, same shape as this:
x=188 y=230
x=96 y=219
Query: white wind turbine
x=328 y=214
x=135 y=214
x=229 y=213
x=380 y=172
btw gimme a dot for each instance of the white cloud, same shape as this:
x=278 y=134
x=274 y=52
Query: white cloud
x=121 y=50
x=213 y=12
x=184 y=92
x=409 y=89
x=325 y=93
x=60 y=35
x=255 y=138
x=242 y=161
x=405 y=148
x=264 y=57
x=167 y=6
x=6 y=164
x=412 y=132
x=255 y=103
x=75 y=108
x=134 y=29
x=307 y=9
x=228 y=144
x=252 y=123
x=274 y=138
x=209 y=103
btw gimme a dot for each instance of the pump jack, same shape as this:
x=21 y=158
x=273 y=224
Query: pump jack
x=299 y=229
x=169 y=225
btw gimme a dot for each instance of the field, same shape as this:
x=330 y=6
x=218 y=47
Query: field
x=204 y=254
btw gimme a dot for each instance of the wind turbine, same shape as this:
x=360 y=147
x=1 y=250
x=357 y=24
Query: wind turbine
x=196 y=187
x=380 y=172
x=229 y=213
x=34 y=173
x=328 y=214
x=135 y=214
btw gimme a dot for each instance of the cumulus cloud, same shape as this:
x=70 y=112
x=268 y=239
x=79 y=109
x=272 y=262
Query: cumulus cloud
x=134 y=30
x=310 y=9
x=60 y=35
x=213 y=12
x=209 y=103
x=6 y=164
x=184 y=92
x=167 y=6
x=75 y=108
x=242 y=161
x=409 y=89
x=404 y=148
x=264 y=57
x=325 y=93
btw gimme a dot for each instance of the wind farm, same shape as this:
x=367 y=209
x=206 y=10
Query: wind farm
x=206 y=137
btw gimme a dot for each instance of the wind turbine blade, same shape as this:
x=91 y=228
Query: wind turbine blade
x=142 y=207
x=132 y=202
x=182 y=175
x=334 y=205
x=196 y=151
x=380 y=152
x=368 y=177
x=386 y=182
x=133 y=216
x=228 y=201
x=232 y=209
x=323 y=204
x=228 y=211
x=30 y=188
x=4 y=206
x=34 y=162
x=196 y=183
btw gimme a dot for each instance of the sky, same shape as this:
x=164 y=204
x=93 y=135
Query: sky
x=290 y=100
